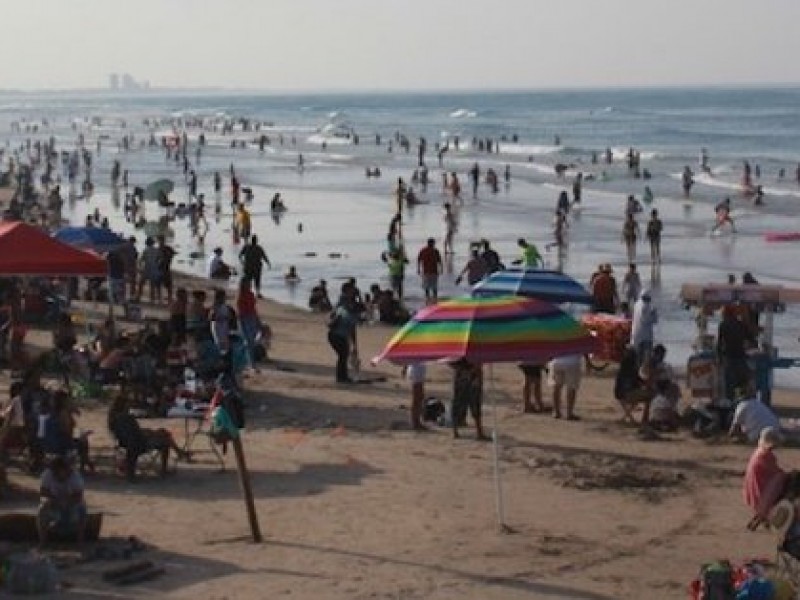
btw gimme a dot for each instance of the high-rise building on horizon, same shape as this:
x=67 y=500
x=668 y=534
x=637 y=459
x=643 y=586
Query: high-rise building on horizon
x=113 y=81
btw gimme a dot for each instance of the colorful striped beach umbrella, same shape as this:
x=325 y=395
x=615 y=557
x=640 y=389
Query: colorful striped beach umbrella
x=487 y=330
x=551 y=286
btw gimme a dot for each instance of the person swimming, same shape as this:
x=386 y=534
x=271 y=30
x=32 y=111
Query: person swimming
x=723 y=213
x=291 y=275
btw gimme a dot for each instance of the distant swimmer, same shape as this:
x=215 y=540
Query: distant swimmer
x=747 y=178
x=647 y=197
x=758 y=198
x=723 y=215
x=291 y=275
x=704 y=161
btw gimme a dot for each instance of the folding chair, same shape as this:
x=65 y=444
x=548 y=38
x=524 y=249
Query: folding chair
x=133 y=447
x=787 y=558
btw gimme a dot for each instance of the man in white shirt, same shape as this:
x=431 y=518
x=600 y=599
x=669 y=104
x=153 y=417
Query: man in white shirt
x=217 y=268
x=645 y=318
x=750 y=418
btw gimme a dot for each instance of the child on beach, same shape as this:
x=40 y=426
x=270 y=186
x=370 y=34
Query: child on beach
x=723 y=213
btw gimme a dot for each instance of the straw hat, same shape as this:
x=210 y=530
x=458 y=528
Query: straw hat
x=781 y=517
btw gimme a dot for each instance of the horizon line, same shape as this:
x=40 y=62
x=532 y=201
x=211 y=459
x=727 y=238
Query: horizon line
x=155 y=90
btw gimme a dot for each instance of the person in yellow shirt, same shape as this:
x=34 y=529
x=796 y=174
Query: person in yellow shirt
x=243 y=222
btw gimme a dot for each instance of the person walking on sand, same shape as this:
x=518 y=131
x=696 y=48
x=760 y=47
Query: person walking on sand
x=475 y=269
x=429 y=267
x=566 y=373
x=631 y=286
x=253 y=257
x=342 y=331
x=654 y=229
x=630 y=232
x=450 y=226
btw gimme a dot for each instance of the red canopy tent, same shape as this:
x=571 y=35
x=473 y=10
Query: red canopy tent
x=26 y=250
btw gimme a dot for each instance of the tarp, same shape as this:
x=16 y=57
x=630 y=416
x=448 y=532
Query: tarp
x=26 y=250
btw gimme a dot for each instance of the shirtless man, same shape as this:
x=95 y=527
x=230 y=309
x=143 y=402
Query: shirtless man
x=450 y=226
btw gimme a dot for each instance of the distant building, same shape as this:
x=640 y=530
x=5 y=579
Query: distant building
x=128 y=82
x=113 y=81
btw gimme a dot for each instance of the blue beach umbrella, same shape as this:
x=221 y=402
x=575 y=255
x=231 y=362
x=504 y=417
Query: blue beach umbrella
x=90 y=238
x=550 y=286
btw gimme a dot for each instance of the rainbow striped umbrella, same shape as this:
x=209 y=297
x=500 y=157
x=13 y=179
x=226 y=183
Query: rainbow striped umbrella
x=486 y=330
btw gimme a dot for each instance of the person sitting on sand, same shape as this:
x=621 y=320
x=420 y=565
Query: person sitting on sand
x=630 y=389
x=765 y=483
x=390 y=311
x=62 y=508
x=218 y=268
x=751 y=417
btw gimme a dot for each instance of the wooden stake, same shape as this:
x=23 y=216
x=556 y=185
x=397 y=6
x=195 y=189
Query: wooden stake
x=247 y=490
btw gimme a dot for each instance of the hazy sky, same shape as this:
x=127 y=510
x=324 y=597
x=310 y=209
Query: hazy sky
x=398 y=44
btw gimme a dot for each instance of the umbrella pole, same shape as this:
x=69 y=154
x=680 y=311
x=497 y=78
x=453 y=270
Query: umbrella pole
x=498 y=484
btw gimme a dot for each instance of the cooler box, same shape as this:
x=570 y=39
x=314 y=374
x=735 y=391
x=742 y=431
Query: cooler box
x=613 y=334
x=702 y=375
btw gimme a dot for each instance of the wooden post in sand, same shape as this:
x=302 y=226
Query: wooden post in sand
x=247 y=490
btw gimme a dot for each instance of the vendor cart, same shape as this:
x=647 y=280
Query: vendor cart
x=613 y=333
x=704 y=375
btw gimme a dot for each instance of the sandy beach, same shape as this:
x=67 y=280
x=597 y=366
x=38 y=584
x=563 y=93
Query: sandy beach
x=354 y=505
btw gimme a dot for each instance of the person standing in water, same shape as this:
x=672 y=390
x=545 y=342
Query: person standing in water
x=687 y=181
x=531 y=258
x=654 y=229
x=450 y=226
x=723 y=212
x=630 y=232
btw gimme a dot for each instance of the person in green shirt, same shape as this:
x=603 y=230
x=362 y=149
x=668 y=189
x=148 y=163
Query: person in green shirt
x=530 y=255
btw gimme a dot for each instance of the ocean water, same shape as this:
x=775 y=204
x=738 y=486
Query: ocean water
x=344 y=216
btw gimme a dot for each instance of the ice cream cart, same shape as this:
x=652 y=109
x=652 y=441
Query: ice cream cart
x=704 y=377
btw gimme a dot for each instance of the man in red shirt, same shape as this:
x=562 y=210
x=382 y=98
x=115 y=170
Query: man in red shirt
x=429 y=266
x=604 y=291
